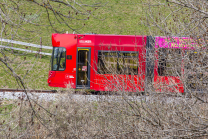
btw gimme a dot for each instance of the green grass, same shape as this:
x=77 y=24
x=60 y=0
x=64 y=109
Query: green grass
x=5 y=108
x=116 y=17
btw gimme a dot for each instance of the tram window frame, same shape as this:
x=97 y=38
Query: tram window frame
x=58 y=68
x=117 y=65
x=164 y=61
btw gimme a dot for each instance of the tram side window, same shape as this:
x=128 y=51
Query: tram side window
x=59 y=59
x=107 y=62
x=118 y=63
x=128 y=63
x=169 y=62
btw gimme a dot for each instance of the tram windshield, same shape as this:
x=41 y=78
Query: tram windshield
x=59 y=59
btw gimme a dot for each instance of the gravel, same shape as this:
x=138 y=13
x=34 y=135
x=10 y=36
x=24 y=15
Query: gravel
x=56 y=96
x=77 y=97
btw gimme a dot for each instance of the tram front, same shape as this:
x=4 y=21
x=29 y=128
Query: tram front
x=63 y=61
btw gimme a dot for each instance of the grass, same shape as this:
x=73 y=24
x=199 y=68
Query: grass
x=6 y=108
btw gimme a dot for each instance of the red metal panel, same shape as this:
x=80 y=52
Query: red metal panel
x=119 y=42
x=109 y=82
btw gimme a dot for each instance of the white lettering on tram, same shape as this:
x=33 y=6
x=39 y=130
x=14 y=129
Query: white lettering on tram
x=85 y=41
x=69 y=76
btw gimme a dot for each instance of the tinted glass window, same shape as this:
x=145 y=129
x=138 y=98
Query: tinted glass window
x=83 y=67
x=107 y=62
x=169 y=62
x=118 y=63
x=59 y=59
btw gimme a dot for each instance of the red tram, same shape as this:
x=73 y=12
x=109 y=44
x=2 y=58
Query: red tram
x=77 y=60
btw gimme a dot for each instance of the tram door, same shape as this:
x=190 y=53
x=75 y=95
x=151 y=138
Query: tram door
x=83 y=68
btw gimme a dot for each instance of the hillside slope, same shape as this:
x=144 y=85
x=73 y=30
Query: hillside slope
x=116 y=17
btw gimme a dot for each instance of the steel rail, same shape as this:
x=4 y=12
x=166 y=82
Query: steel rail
x=28 y=90
x=25 y=43
x=29 y=51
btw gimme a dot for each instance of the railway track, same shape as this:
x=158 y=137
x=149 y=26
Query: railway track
x=87 y=92
x=51 y=95
x=21 y=90
x=86 y=96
